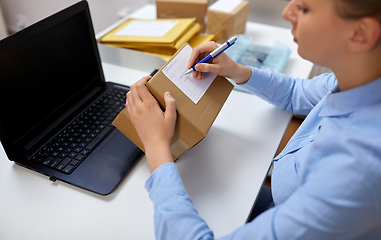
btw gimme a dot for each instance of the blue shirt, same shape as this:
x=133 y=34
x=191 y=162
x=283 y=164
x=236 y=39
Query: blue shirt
x=326 y=183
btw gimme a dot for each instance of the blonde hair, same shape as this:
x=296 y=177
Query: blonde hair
x=358 y=8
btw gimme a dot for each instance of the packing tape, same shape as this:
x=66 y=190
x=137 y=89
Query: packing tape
x=179 y=147
x=126 y=113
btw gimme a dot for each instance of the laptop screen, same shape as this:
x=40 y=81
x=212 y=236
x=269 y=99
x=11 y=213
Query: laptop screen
x=44 y=71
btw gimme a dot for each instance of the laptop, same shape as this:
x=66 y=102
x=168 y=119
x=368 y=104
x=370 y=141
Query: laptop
x=56 y=107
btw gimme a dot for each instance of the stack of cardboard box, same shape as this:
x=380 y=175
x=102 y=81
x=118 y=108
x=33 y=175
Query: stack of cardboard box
x=191 y=26
x=228 y=23
x=183 y=9
x=224 y=21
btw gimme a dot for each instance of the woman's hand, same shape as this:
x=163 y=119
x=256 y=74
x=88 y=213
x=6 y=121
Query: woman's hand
x=222 y=65
x=154 y=127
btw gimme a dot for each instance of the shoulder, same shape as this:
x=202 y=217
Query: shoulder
x=328 y=81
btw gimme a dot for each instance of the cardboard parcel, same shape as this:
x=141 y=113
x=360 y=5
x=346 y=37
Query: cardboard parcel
x=193 y=120
x=226 y=24
x=183 y=9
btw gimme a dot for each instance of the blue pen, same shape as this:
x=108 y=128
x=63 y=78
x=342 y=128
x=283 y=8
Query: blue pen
x=215 y=53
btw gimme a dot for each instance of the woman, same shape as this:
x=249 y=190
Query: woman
x=326 y=183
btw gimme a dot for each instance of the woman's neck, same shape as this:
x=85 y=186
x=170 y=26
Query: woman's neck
x=355 y=71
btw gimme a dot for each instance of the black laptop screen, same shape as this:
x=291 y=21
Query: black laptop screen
x=42 y=73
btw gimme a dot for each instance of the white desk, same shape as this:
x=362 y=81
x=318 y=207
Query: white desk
x=222 y=174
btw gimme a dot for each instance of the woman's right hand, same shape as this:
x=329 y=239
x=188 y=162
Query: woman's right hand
x=154 y=127
x=222 y=65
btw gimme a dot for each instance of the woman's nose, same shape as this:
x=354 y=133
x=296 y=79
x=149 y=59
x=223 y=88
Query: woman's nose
x=289 y=12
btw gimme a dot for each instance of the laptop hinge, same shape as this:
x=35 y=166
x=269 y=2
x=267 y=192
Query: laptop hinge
x=53 y=179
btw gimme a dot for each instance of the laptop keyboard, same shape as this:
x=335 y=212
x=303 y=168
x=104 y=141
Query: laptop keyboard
x=70 y=147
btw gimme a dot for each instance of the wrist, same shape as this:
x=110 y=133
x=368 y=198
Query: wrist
x=158 y=154
x=243 y=74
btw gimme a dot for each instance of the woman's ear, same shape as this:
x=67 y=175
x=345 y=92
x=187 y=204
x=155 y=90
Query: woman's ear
x=365 y=35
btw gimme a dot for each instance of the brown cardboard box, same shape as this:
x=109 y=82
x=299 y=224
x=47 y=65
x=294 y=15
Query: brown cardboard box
x=228 y=24
x=193 y=120
x=183 y=9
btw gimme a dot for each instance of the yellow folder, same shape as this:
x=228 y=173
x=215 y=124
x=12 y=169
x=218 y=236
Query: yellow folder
x=185 y=30
x=182 y=27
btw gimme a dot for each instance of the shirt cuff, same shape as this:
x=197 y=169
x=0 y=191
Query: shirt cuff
x=259 y=80
x=164 y=183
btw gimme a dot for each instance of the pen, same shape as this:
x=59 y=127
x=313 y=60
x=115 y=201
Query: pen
x=215 y=53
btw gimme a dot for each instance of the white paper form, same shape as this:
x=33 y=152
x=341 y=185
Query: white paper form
x=147 y=28
x=225 y=5
x=190 y=86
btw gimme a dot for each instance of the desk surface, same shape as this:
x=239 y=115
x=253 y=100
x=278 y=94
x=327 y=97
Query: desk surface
x=222 y=174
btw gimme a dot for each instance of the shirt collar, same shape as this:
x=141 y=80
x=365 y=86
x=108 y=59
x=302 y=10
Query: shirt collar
x=341 y=103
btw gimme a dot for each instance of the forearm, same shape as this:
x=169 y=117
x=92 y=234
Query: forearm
x=292 y=94
x=175 y=217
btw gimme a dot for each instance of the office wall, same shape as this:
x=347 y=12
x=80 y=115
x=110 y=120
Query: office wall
x=21 y=13
x=268 y=12
x=3 y=30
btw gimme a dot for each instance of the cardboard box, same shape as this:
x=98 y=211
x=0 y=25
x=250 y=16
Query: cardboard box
x=183 y=9
x=193 y=120
x=228 y=24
